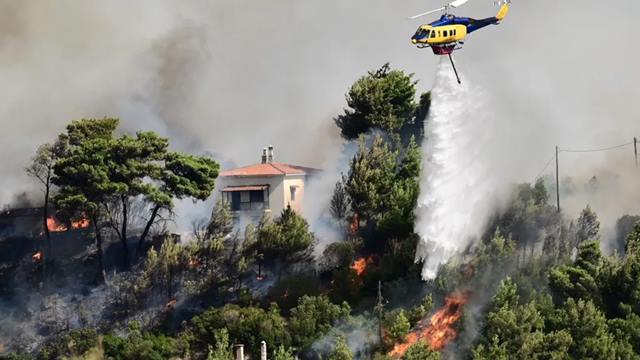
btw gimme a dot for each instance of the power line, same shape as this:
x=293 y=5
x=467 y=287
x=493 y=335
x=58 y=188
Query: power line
x=545 y=167
x=596 y=150
x=558 y=150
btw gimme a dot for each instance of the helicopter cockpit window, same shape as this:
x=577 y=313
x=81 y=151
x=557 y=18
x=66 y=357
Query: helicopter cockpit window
x=422 y=33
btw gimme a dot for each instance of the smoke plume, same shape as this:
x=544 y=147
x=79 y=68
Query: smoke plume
x=229 y=77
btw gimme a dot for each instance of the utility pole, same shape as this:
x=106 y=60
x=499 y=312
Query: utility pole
x=557 y=181
x=635 y=149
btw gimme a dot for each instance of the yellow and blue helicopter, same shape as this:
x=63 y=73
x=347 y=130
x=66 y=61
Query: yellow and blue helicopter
x=446 y=34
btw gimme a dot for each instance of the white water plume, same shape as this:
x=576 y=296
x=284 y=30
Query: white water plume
x=458 y=191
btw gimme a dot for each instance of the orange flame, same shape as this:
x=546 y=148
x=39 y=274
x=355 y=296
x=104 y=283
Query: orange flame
x=171 y=304
x=440 y=332
x=80 y=224
x=55 y=226
x=360 y=265
x=354 y=226
x=37 y=257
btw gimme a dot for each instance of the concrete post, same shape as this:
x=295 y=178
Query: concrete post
x=263 y=350
x=239 y=352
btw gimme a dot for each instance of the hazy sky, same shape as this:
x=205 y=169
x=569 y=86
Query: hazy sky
x=230 y=77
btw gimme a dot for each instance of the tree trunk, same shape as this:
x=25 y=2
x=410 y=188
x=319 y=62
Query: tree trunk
x=100 y=275
x=123 y=232
x=45 y=216
x=147 y=228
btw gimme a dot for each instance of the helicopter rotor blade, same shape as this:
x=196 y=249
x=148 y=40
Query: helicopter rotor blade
x=453 y=4
x=458 y=3
x=427 y=13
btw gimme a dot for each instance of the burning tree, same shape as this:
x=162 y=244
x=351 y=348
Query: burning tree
x=100 y=175
x=41 y=169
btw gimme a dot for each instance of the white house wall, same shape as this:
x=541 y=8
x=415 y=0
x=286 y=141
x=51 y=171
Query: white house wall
x=276 y=189
x=298 y=182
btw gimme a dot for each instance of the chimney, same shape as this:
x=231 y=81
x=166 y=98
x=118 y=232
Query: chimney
x=264 y=155
x=263 y=350
x=270 y=153
x=239 y=351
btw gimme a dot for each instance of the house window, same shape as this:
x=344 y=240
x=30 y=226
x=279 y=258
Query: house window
x=242 y=200
x=248 y=200
x=293 y=192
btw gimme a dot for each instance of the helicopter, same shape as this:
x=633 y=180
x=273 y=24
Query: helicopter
x=446 y=34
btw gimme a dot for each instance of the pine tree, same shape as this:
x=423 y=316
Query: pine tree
x=588 y=226
x=383 y=99
x=341 y=350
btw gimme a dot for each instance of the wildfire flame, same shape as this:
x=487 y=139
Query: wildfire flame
x=354 y=226
x=440 y=332
x=80 y=224
x=193 y=263
x=171 y=304
x=37 y=257
x=360 y=264
x=55 y=226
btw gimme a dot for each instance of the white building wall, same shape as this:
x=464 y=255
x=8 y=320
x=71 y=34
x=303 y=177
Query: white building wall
x=276 y=189
x=297 y=182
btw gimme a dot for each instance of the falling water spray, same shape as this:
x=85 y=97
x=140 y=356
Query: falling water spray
x=458 y=187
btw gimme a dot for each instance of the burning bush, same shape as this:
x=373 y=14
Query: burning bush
x=439 y=332
x=360 y=264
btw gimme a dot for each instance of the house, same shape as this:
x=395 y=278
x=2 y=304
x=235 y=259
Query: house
x=267 y=187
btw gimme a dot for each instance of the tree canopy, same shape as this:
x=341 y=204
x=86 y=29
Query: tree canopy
x=99 y=175
x=382 y=99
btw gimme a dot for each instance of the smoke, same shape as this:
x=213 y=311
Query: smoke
x=360 y=332
x=319 y=192
x=459 y=188
x=229 y=77
x=610 y=189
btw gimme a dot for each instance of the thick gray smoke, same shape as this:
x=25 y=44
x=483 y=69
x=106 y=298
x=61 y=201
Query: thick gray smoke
x=229 y=77
x=223 y=77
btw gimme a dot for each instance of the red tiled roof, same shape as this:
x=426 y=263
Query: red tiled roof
x=269 y=169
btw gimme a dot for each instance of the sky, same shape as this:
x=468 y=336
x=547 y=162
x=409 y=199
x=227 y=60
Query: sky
x=231 y=77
